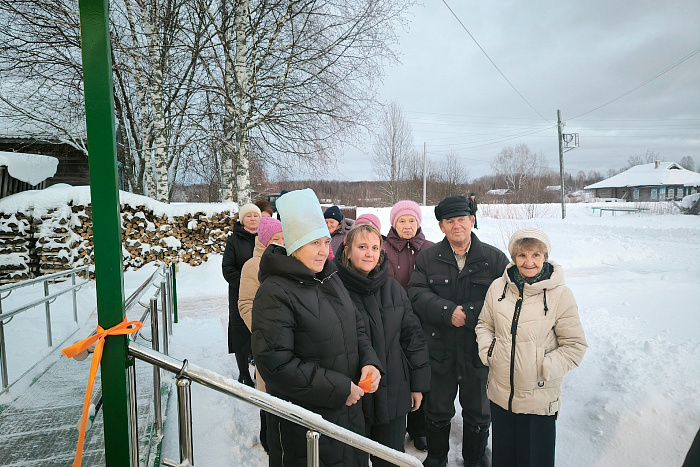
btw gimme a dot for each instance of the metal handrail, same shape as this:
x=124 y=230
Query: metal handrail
x=24 y=283
x=47 y=299
x=271 y=404
x=138 y=293
x=152 y=309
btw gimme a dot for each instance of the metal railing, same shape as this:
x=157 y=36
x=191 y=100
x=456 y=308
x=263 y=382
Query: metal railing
x=186 y=373
x=48 y=298
x=163 y=280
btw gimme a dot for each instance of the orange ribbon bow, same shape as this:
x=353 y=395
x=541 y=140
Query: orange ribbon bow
x=125 y=327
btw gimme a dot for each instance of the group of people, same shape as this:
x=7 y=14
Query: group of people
x=379 y=334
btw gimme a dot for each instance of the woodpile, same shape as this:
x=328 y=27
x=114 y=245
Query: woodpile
x=189 y=238
x=60 y=238
x=55 y=242
x=15 y=246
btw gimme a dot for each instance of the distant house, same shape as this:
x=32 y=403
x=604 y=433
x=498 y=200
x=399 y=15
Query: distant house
x=500 y=192
x=22 y=172
x=657 y=181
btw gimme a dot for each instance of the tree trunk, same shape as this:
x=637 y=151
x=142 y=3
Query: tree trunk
x=228 y=149
x=240 y=108
x=155 y=95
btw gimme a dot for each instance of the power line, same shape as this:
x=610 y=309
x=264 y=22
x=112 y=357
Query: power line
x=500 y=139
x=493 y=63
x=644 y=83
x=467 y=115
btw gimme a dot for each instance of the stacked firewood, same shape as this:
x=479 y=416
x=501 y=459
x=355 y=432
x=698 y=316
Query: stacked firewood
x=15 y=245
x=61 y=238
x=55 y=241
x=81 y=225
x=190 y=238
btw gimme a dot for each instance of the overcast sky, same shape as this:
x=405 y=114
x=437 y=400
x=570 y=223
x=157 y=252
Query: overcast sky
x=569 y=55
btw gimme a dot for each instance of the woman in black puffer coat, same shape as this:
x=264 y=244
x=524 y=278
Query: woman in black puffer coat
x=239 y=249
x=308 y=340
x=396 y=336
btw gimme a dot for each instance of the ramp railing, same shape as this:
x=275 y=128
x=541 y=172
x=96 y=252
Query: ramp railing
x=48 y=298
x=186 y=373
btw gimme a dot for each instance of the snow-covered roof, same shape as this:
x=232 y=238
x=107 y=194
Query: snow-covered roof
x=29 y=168
x=63 y=195
x=499 y=191
x=653 y=174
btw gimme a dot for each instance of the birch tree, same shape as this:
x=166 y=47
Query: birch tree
x=154 y=61
x=299 y=77
x=156 y=49
x=518 y=164
x=393 y=151
x=41 y=69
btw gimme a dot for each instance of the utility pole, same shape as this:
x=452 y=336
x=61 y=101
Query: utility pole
x=560 y=126
x=425 y=172
x=567 y=142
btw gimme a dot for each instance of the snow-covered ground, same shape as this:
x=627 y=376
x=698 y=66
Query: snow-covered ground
x=635 y=400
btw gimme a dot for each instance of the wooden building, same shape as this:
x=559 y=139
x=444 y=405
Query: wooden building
x=657 y=181
x=22 y=172
x=72 y=163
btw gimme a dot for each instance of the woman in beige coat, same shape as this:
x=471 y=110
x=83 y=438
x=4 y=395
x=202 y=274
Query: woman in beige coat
x=529 y=335
x=269 y=232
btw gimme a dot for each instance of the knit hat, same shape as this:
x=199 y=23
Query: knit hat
x=267 y=228
x=334 y=213
x=405 y=208
x=537 y=234
x=245 y=209
x=369 y=219
x=452 y=206
x=302 y=219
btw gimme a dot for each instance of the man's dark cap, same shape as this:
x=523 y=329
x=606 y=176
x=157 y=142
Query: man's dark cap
x=452 y=206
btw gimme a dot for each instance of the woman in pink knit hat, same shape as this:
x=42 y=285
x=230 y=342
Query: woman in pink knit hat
x=269 y=232
x=403 y=243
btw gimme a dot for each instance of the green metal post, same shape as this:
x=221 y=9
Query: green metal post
x=99 y=113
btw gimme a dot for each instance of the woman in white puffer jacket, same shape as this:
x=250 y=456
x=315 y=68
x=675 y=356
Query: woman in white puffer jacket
x=529 y=335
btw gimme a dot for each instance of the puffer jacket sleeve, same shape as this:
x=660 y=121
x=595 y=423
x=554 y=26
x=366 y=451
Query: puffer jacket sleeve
x=570 y=338
x=246 y=293
x=414 y=346
x=228 y=264
x=273 y=347
x=485 y=329
x=427 y=304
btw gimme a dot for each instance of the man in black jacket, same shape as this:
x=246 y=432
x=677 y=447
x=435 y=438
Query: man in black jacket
x=447 y=289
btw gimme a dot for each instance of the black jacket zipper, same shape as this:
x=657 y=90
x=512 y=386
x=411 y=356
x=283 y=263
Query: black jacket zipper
x=514 y=332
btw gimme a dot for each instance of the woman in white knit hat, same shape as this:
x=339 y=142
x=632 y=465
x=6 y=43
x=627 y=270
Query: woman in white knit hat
x=239 y=249
x=309 y=342
x=529 y=335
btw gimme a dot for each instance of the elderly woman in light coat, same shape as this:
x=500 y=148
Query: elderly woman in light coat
x=529 y=335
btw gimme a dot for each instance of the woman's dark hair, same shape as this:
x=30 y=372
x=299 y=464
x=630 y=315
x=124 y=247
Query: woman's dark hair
x=264 y=206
